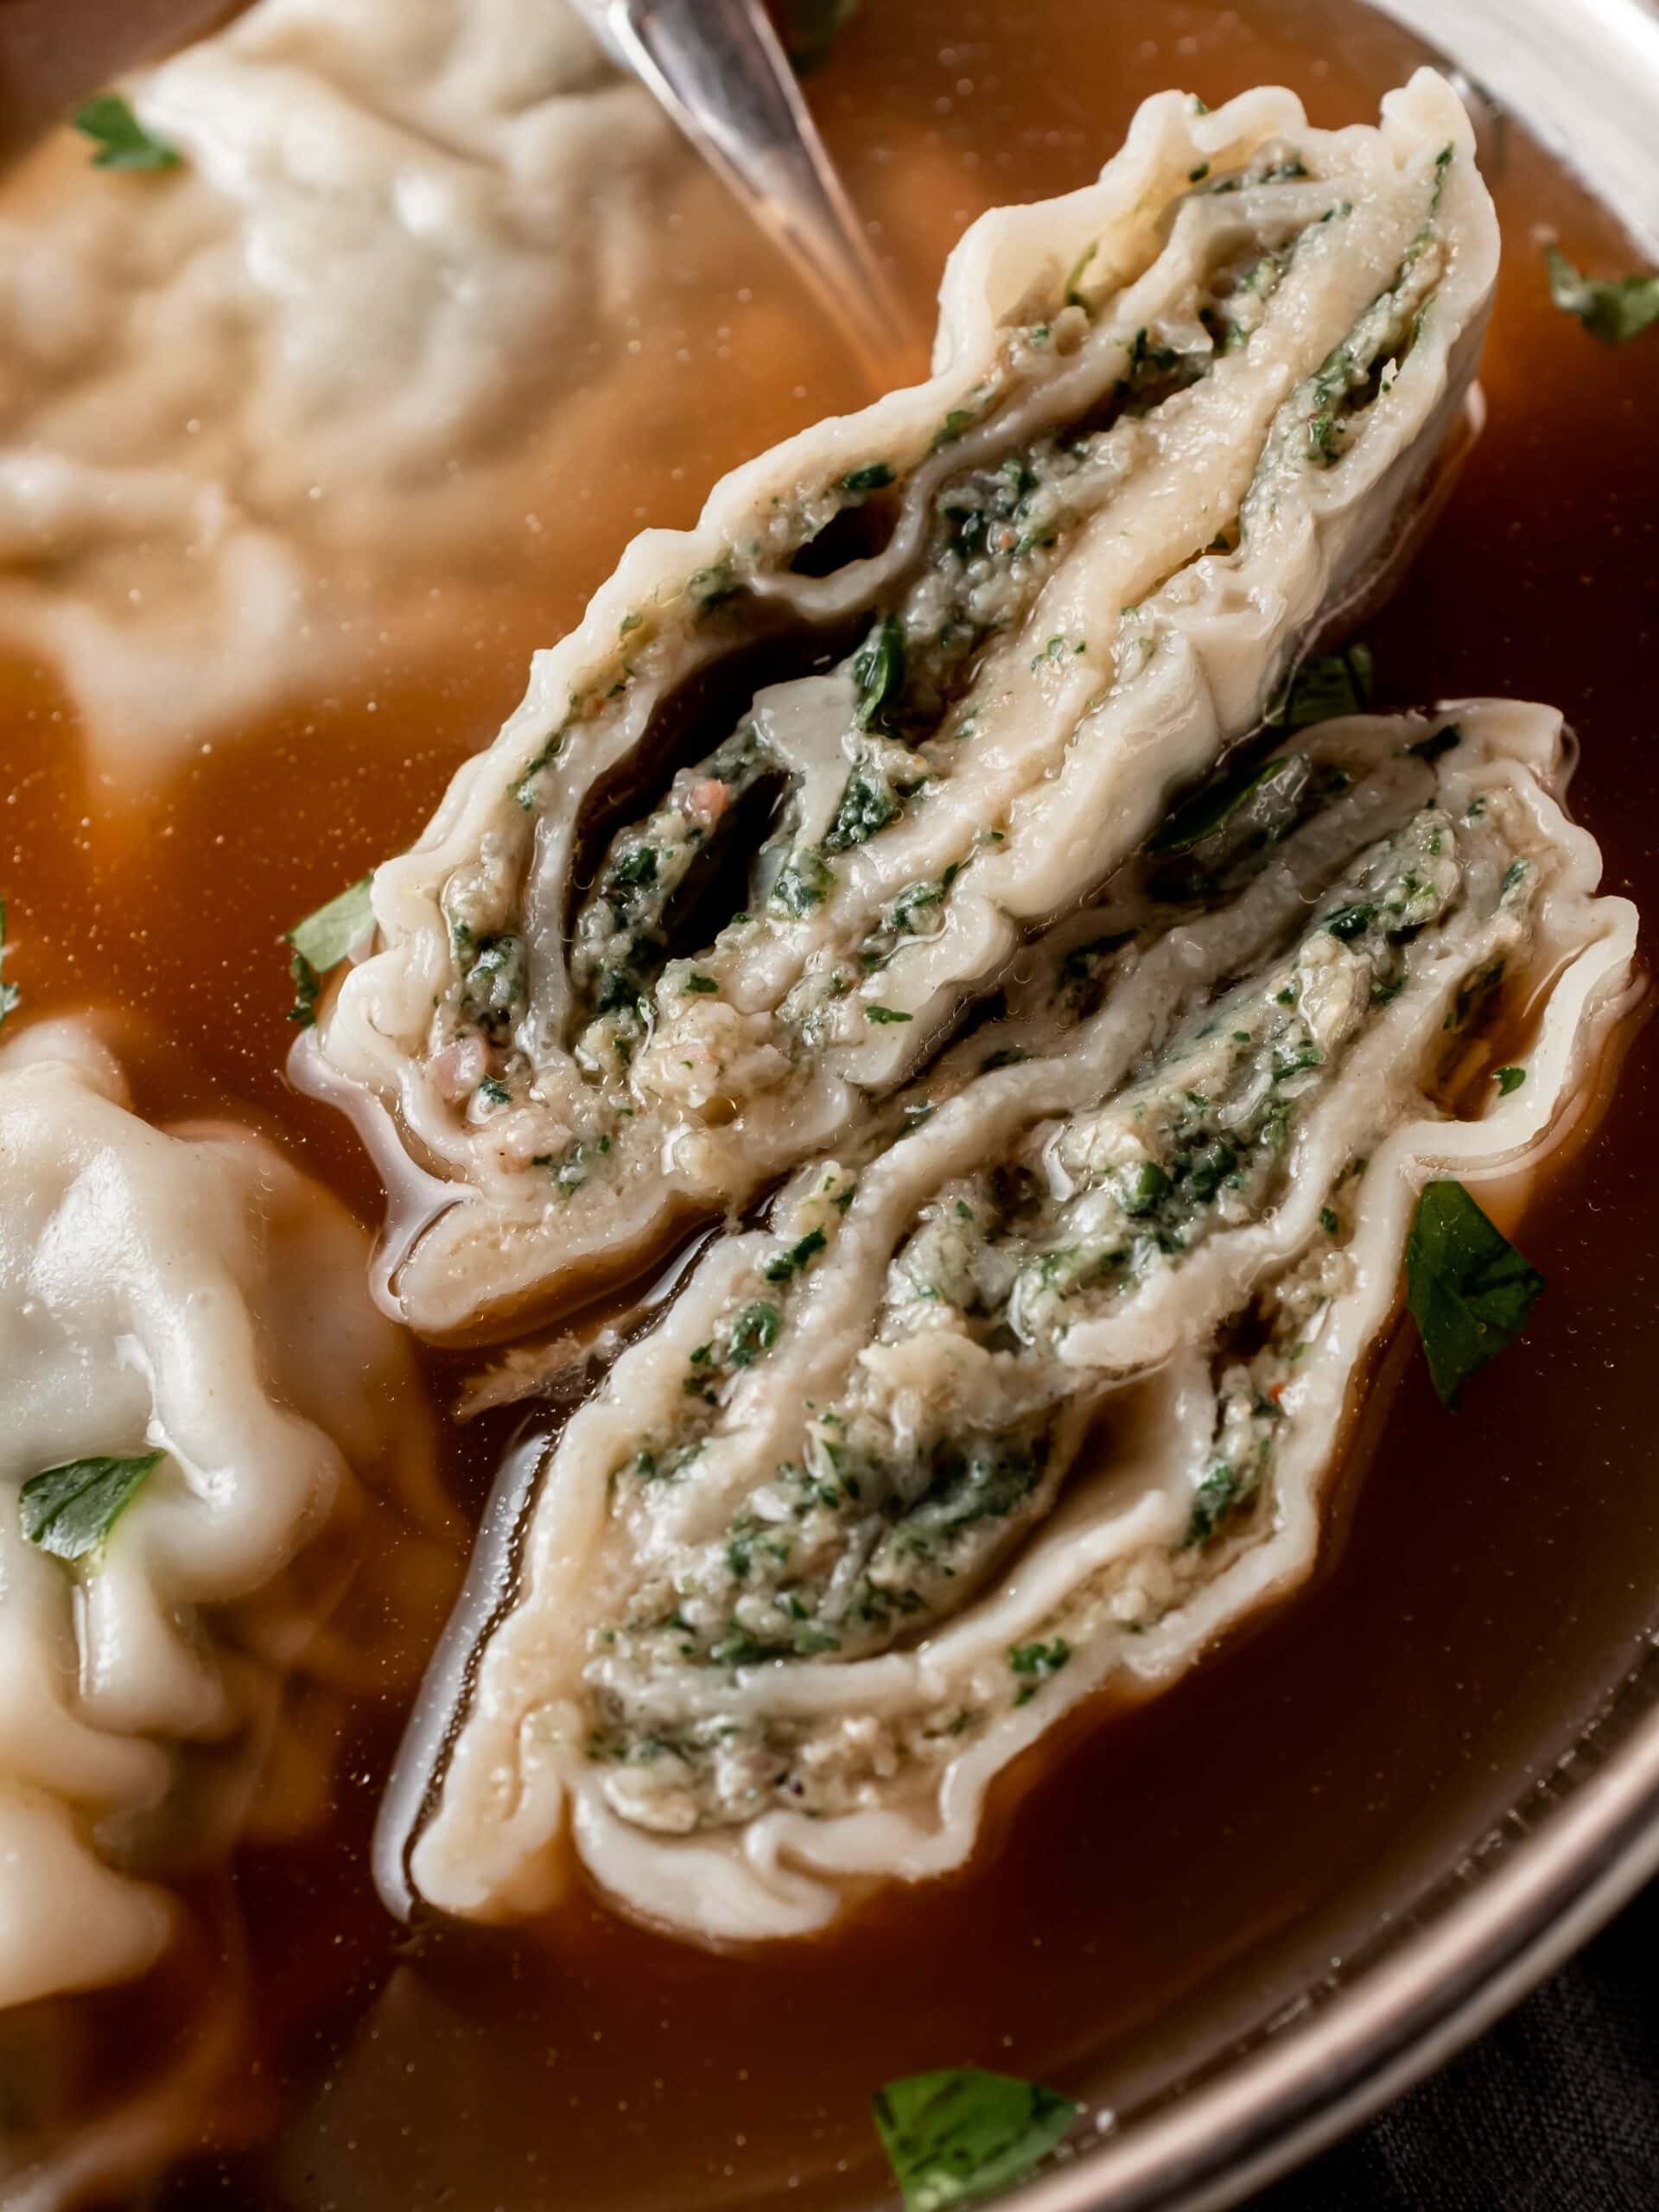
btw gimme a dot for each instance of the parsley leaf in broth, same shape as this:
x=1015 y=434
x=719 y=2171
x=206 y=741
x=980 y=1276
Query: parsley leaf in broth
x=961 y=2135
x=1471 y=1292
x=70 y=1511
x=1613 y=308
x=322 y=940
x=123 y=142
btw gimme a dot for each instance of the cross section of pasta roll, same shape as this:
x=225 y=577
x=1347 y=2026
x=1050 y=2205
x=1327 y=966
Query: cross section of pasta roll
x=1039 y=1385
x=807 y=774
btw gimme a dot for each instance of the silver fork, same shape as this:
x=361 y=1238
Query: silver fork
x=718 y=69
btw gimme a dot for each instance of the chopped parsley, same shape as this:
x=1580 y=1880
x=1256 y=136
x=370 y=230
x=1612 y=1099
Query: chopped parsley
x=874 y=476
x=960 y=2135
x=712 y=586
x=790 y=1263
x=868 y=804
x=1058 y=648
x=1350 y=922
x=525 y=790
x=1212 y=1501
x=1509 y=1079
x=879 y=670
x=70 y=1511
x=755 y=1330
x=636 y=868
x=1036 y=1664
x=957 y=421
x=882 y=1013
x=123 y=142
x=704 y=984
x=802 y=882
x=1613 y=308
x=571 y=1168
x=321 y=941
x=1073 y=296
x=1471 y=1292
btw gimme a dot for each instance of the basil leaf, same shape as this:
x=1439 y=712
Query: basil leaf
x=9 y=993
x=1471 y=1292
x=1322 y=689
x=122 y=141
x=960 y=2135
x=69 y=1511
x=1613 y=308
x=879 y=670
x=1202 y=815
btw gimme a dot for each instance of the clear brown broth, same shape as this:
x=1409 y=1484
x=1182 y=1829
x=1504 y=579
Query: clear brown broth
x=1488 y=1573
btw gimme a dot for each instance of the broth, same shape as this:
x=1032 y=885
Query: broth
x=1489 y=1571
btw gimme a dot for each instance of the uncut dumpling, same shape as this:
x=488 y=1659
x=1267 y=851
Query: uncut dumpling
x=916 y=681
x=193 y=1380
x=1042 y=1387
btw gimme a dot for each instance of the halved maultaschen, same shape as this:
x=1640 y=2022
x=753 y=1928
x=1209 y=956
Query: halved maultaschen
x=1037 y=1382
x=917 y=681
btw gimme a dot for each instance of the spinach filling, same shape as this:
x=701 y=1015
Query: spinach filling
x=997 y=530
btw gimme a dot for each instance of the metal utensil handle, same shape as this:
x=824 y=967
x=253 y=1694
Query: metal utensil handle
x=718 y=69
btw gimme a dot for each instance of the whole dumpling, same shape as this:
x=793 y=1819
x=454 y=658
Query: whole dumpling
x=193 y=384
x=183 y=1293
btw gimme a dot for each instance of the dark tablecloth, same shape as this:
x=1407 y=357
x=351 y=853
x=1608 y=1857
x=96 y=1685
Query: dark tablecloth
x=1555 y=2110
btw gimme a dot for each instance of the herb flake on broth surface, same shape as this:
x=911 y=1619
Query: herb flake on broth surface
x=123 y=142
x=1613 y=308
x=958 y=2136
x=1470 y=1291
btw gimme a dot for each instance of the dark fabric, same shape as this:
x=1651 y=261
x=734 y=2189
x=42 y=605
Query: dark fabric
x=1555 y=2110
